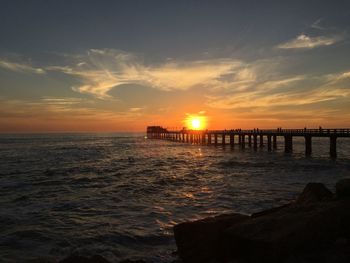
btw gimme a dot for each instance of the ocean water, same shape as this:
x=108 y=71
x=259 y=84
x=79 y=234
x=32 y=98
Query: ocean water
x=119 y=195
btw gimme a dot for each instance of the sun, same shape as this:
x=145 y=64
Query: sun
x=196 y=122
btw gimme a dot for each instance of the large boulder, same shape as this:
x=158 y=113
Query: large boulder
x=314 y=228
x=133 y=261
x=290 y=232
x=270 y=211
x=314 y=192
x=81 y=259
x=200 y=241
x=94 y=259
x=343 y=188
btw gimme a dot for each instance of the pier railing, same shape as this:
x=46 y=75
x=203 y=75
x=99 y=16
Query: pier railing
x=250 y=137
x=301 y=132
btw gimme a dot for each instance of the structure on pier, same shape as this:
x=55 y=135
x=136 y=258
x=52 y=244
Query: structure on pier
x=253 y=138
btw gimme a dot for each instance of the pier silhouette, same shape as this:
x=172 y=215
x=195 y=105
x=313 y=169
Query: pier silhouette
x=251 y=138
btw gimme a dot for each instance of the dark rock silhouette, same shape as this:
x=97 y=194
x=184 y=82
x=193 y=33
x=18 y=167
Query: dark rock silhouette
x=314 y=192
x=198 y=241
x=314 y=228
x=132 y=261
x=81 y=259
x=94 y=259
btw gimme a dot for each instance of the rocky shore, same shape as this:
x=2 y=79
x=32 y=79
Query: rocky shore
x=313 y=228
x=94 y=259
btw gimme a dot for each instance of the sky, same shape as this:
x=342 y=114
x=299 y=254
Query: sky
x=74 y=66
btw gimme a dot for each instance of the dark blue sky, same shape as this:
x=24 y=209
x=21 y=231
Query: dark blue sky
x=99 y=51
x=166 y=28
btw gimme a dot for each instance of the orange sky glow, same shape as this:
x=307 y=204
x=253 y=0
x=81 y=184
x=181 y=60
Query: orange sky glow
x=291 y=70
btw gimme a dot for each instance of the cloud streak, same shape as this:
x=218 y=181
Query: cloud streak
x=61 y=108
x=290 y=92
x=306 y=42
x=20 y=67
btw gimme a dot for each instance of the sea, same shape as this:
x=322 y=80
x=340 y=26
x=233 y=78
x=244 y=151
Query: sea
x=119 y=195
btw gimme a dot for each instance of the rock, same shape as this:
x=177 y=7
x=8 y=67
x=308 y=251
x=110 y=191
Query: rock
x=132 y=261
x=98 y=259
x=343 y=188
x=315 y=228
x=199 y=241
x=40 y=260
x=297 y=230
x=314 y=192
x=270 y=211
x=81 y=259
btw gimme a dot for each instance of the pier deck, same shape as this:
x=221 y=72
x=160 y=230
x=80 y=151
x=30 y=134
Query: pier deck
x=253 y=138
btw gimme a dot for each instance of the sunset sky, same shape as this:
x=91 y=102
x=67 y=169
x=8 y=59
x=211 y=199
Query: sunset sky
x=123 y=65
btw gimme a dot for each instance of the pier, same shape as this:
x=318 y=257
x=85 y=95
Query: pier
x=250 y=138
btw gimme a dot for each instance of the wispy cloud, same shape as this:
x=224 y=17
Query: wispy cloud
x=61 y=101
x=48 y=106
x=338 y=77
x=279 y=83
x=290 y=92
x=65 y=114
x=135 y=109
x=20 y=67
x=265 y=85
x=306 y=42
x=317 y=25
x=52 y=108
x=99 y=71
x=230 y=83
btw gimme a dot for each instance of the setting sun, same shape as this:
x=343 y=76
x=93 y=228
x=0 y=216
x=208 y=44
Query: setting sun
x=195 y=122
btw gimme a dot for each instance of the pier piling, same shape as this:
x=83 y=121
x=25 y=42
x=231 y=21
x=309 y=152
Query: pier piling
x=288 y=143
x=274 y=142
x=232 y=140
x=333 y=146
x=261 y=141
x=255 y=139
x=243 y=141
x=308 y=145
